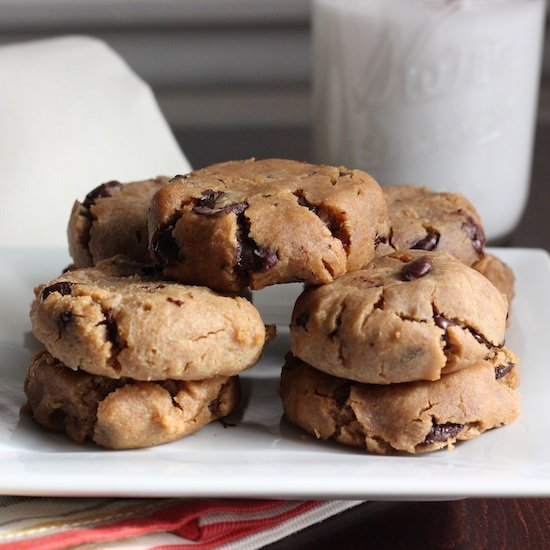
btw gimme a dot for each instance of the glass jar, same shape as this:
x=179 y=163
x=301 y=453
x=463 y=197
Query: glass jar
x=441 y=93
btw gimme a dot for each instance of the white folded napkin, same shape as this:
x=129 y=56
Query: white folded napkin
x=72 y=115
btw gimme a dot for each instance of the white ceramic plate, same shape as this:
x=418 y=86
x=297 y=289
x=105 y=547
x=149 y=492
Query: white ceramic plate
x=264 y=456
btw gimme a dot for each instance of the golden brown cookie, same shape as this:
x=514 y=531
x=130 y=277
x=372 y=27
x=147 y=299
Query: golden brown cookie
x=123 y=413
x=106 y=323
x=407 y=316
x=423 y=219
x=499 y=273
x=258 y=223
x=112 y=220
x=413 y=417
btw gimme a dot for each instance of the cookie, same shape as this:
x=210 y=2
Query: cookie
x=422 y=219
x=123 y=413
x=412 y=417
x=134 y=326
x=112 y=220
x=261 y=222
x=406 y=316
x=499 y=273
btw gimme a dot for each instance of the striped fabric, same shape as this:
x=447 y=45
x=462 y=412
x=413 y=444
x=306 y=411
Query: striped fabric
x=201 y=524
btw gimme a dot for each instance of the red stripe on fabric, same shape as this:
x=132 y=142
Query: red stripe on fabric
x=218 y=534
x=173 y=519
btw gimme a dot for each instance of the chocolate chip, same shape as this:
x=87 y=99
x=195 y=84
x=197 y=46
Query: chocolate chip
x=429 y=242
x=209 y=198
x=379 y=304
x=250 y=257
x=264 y=259
x=379 y=239
x=64 y=319
x=208 y=205
x=302 y=201
x=442 y=432
x=178 y=303
x=474 y=231
x=341 y=393
x=503 y=370
x=237 y=208
x=417 y=269
x=112 y=328
x=63 y=287
x=443 y=322
x=483 y=341
x=101 y=191
x=164 y=247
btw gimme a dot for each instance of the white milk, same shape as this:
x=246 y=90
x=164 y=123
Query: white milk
x=431 y=92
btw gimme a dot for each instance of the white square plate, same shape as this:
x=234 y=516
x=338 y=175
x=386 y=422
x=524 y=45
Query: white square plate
x=263 y=455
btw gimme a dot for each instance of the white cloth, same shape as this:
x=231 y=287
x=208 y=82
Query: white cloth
x=72 y=115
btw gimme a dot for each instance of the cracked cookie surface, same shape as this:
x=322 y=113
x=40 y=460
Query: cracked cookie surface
x=112 y=220
x=443 y=222
x=100 y=321
x=422 y=219
x=255 y=223
x=123 y=413
x=406 y=316
x=412 y=417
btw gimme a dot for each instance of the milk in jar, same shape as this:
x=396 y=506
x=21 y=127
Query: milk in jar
x=441 y=93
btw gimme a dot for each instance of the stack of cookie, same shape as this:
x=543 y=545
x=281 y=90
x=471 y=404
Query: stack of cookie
x=404 y=355
x=416 y=327
x=131 y=360
x=408 y=353
x=396 y=342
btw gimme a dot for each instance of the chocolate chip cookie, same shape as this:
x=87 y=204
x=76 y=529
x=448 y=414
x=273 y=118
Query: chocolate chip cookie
x=260 y=222
x=407 y=316
x=112 y=220
x=138 y=327
x=422 y=219
x=123 y=413
x=499 y=273
x=413 y=417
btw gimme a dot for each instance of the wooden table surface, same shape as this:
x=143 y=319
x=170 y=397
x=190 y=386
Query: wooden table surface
x=513 y=523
